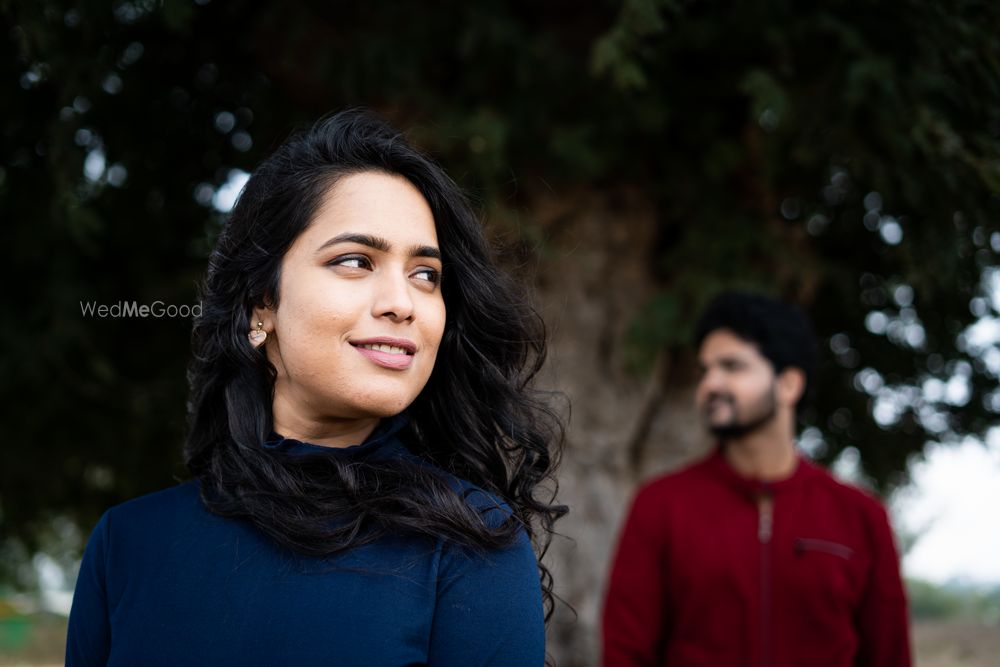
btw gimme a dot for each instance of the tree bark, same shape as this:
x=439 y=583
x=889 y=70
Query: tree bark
x=593 y=279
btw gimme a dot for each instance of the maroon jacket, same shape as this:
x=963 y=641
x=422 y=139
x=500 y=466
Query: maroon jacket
x=716 y=570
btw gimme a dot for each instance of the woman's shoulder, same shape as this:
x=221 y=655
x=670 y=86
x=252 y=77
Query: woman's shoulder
x=490 y=505
x=173 y=497
x=159 y=508
x=143 y=527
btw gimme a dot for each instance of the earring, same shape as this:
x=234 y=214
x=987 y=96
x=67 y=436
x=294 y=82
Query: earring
x=257 y=337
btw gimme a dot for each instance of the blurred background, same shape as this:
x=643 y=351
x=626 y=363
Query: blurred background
x=631 y=157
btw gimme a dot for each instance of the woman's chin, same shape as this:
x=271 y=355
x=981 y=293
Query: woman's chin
x=384 y=406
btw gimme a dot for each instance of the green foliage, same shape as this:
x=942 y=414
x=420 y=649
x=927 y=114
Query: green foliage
x=929 y=601
x=613 y=53
x=31 y=638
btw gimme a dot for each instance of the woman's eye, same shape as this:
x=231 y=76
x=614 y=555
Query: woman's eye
x=353 y=262
x=430 y=275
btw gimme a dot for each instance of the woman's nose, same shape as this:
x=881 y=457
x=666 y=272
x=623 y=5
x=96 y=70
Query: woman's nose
x=393 y=298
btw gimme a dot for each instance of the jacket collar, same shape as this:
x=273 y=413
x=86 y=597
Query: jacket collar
x=753 y=487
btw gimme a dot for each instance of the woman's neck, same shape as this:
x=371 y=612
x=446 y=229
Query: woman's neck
x=290 y=422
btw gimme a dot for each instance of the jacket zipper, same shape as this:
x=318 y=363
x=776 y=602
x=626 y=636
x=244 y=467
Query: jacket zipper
x=765 y=528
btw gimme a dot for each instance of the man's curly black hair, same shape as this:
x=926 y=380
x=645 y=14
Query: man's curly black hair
x=781 y=331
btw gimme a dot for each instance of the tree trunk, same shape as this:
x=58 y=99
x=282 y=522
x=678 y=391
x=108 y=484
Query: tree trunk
x=593 y=278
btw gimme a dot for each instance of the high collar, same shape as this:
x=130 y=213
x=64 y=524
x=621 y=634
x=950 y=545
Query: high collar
x=754 y=487
x=382 y=443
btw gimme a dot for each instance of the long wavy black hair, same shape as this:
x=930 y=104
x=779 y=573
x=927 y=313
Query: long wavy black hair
x=477 y=418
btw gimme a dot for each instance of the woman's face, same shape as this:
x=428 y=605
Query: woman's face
x=360 y=313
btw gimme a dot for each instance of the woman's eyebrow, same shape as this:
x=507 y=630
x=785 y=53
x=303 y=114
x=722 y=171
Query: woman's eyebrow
x=425 y=251
x=378 y=243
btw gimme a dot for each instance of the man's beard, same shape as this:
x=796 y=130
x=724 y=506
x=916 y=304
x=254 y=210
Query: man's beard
x=758 y=416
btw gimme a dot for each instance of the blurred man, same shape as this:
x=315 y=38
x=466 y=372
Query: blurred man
x=754 y=556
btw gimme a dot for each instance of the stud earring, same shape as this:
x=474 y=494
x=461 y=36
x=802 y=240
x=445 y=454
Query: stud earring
x=257 y=337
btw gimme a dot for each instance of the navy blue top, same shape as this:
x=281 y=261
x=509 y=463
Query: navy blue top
x=165 y=582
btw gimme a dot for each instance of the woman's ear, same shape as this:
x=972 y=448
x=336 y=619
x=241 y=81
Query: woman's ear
x=263 y=316
x=791 y=385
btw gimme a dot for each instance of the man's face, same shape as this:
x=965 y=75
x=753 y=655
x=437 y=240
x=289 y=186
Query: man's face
x=736 y=392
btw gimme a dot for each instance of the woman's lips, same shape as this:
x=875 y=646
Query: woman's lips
x=386 y=359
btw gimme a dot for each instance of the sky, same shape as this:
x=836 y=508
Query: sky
x=951 y=506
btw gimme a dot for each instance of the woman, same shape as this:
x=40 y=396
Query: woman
x=366 y=457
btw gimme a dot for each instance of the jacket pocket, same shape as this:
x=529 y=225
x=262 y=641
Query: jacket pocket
x=804 y=545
